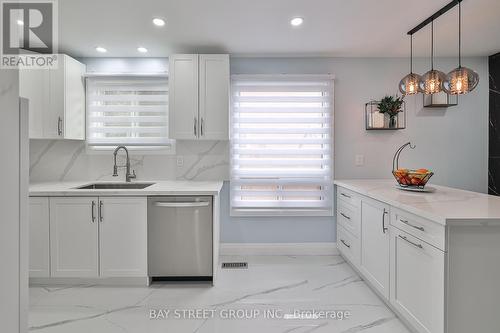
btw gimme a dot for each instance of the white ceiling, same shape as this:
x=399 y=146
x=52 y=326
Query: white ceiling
x=351 y=28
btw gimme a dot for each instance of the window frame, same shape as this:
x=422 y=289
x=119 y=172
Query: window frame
x=168 y=149
x=274 y=212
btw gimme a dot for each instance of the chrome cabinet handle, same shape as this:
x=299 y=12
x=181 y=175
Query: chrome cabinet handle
x=347 y=217
x=182 y=204
x=93 y=211
x=384 y=229
x=59 y=126
x=101 y=217
x=347 y=245
x=201 y=126
x=345 y=195
x=411 y=225
x=409 y=241
x=195 y=127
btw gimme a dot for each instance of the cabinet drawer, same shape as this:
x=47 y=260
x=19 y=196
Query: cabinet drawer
x=419 y=227
x=348 y=196
x=348 y=245
x=348 y=217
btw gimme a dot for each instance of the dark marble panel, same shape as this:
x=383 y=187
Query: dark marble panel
x=494 y=130
x=494 y=176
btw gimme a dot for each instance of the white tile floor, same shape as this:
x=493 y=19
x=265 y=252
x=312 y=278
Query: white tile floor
x=283 y=283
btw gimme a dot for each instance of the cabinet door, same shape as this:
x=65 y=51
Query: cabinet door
x=375 y=241
x=214 y=96
x=39 y=237
x=417 y=287
x=54 y=115
x=183 y=97
x=74 y=99
x=34 y=85
x=73 y=237
x=123 y=236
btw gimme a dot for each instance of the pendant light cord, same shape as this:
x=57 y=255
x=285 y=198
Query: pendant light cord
x=459 y=35
x=432 y=45
x=411 y=53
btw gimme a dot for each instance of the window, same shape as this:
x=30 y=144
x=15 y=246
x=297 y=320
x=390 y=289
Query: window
x=127 y=111
x=282 y=145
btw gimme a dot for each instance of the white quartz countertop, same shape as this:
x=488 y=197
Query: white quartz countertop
x=445 y=205
x=158 y=188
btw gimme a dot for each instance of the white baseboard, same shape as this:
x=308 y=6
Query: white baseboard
x=228 y=249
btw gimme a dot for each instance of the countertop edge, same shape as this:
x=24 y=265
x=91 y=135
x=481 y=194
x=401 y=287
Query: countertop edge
x=442 y=220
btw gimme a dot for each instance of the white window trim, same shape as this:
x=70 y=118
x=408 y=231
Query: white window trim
x=137 y=149
x=266 y=212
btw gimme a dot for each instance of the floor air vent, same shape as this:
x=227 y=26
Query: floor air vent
x=233 y=265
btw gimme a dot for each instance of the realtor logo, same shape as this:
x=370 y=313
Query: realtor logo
x=29 y=34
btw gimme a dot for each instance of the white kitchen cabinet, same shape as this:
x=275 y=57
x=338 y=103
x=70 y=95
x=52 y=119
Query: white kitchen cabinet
x=74 y=237
x=123 y=236
x=199 y=97
x=183 y=96
x=418 y=286
x=34 y=85
x=56 y=100
x=39 y=237
x=375 y=241
x=214 y=96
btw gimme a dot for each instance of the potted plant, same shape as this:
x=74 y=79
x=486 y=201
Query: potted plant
x=391 y=106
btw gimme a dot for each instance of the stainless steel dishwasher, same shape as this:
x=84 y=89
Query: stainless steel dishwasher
x=180 y=238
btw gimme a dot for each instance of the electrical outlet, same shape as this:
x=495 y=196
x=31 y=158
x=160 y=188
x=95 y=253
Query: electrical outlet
x=180 y=161
x=359 y=160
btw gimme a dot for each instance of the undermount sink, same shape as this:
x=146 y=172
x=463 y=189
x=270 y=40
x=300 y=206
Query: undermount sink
x=114 y=186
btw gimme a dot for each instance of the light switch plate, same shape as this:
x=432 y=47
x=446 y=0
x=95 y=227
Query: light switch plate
x=359 y=160
x=180 y=161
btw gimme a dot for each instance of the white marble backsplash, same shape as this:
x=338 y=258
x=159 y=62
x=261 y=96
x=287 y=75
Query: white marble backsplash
x=66 y=160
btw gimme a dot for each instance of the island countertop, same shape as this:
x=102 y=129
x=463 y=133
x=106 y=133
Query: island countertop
x=158 y=188
x=444 y=205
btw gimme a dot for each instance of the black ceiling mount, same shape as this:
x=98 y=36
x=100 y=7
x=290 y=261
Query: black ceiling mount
x=434 y=16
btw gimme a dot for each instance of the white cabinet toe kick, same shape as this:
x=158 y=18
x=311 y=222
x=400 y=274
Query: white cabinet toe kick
x=101 y=239
x=437 y=277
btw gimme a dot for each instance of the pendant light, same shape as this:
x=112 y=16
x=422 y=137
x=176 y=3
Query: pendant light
x=432 y=81
x=409 y=85
x=461 y=80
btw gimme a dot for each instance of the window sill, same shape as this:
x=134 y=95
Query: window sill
x=256 y=212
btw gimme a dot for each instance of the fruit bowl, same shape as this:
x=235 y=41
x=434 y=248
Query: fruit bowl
x=412 y=178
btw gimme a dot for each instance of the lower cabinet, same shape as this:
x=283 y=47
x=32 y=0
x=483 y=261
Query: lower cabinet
x=88 y=237
x=375 y=241
x=123 y=236
x=393 y=256
x=417 y=288
x=39 y=237
x=74 y=237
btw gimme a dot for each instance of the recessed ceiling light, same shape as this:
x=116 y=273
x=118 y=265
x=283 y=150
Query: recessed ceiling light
x=142 y=49
x=159 y=22
x=101 y=49
x=19 y=22
x=296 y=21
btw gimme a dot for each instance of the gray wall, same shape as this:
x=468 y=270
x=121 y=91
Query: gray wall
x=451 y=142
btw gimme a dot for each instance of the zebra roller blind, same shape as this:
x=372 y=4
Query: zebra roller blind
x=282 y=145
x=127 y=111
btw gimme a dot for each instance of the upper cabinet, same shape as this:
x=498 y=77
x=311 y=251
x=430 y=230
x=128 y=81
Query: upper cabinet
x=199 y=97
x=56 y=100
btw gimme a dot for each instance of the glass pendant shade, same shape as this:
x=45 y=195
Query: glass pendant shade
x=409 y=85
x=461 y=80
x=432 y=82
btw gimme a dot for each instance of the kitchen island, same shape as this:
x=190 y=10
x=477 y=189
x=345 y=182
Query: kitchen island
x=99 y=233
x=434 y=257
